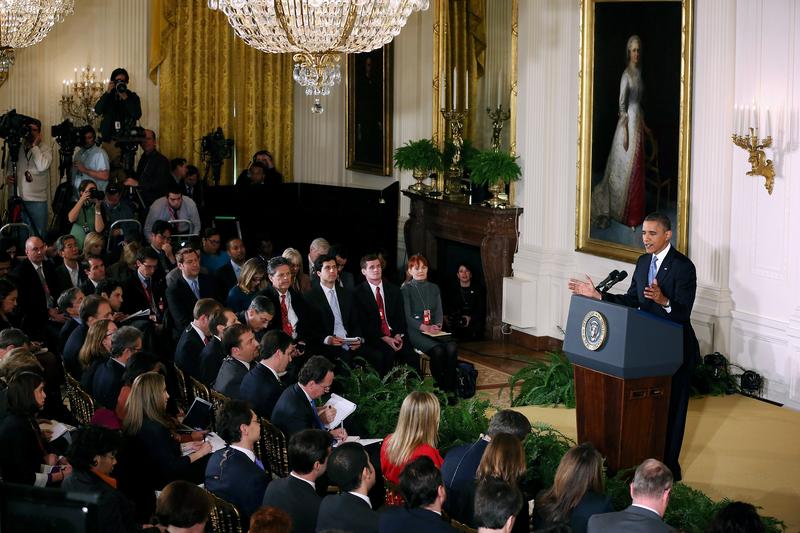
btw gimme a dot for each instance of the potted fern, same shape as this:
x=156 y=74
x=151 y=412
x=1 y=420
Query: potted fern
x=420 y=157
x=494 y=169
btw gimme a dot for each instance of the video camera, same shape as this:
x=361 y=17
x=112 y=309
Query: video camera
x=14 y=127
x=67 y=135
x=214 y=149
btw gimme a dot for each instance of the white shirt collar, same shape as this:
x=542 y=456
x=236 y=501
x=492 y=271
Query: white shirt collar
x=373 y=287
x=301 y=479
x=264 y=363
x=200 y=333
x=245 y=363
x=357 y=495
x=250 y=455
x=662 y=254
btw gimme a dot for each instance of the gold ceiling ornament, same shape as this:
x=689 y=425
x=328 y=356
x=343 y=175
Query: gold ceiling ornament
x=317 y=32
x=26 y=22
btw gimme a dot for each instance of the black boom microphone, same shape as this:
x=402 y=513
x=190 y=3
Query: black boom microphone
x=622 y=275
x=613 y=274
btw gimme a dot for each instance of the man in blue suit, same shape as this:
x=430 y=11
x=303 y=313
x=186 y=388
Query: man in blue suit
x=262 y=386
x=234 y=473
x=422 y=488
x=350 y=510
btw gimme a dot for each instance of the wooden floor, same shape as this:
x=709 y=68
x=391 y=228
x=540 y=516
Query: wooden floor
x=501 y=356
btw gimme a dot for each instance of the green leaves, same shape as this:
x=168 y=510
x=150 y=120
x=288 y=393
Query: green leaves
x=544 y=448
x=489 y=167
x=545 y=383
x=418 y=155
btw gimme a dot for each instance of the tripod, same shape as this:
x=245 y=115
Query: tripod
x=16 y=205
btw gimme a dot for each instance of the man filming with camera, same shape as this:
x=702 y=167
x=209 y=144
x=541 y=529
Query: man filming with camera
x=33 y=177
x=91 y=162
x=119 y=106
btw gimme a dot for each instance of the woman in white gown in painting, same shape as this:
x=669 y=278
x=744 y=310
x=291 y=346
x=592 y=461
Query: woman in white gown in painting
x=620 y=195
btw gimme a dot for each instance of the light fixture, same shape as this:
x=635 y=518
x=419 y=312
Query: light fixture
x=79 y=96
x=317 y=32
x=746 y=121
x=26 y=22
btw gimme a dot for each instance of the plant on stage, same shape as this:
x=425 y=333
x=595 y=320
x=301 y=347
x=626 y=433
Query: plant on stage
x=544 y=448
x=463 y=422
x=545 y=383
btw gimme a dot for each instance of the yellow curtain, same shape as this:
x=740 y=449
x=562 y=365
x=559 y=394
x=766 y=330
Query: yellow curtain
x=466 y=34
x=209 y=78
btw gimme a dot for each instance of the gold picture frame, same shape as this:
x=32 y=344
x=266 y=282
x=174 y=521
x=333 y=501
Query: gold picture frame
x=634 y=122
x=369 y=111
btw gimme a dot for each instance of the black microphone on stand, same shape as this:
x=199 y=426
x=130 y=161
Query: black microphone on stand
x=613 y=274
x=622 y=275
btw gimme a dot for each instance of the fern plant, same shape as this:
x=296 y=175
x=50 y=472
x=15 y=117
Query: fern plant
x=545 y=383
x=544 y=448
x=420 y=155
x=489 y=167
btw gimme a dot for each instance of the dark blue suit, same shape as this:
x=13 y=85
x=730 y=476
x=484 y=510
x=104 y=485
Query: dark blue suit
x=298 y=499
x=459 y=467
x=418 y=520
x=262 y=389
x=181 y=300
x=187 y=353
x=66 y=330
x=293 y=412
x=107 y=382
x=232 y=476
x=72 y=349
x=230 y=377
x=347 y=513
x=211 y=358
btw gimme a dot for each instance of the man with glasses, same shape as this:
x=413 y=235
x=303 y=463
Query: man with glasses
x=91 y=163
x=145 y=290
x=211 y=259
x=33 y=177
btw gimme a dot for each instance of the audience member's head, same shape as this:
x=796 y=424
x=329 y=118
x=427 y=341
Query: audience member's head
x=129 y=252
x=140 y=363
x=112 y=291
x=178 y=168
x=237 y=251
x=126 y=341
x=239 y=342
x=339 y=251
x=147 y=262
x=308 y=452
x=97 y=346
x=161 y=233
x=175 y=196
x=252 y=276
x=35 y=250
x=211 y=241
x=325 y=267
x=372 y=268
x=183 y=505
x=504 y=459
x=318 y=247
x=260 y=312
x=496 y=505
x=95 y=268
x=421 y=484
x=192 y=175
x=188 y=262
x=147 y=400
x=67 y=248
x=11 y=338
x=8 y=297
x=736 y=517
x=270 y=520
x=316 y=376
x=652 y=484
x=238 y=424
x=279 y=270
x=16 y=360
x=221 y=319
x=349 y=468
x=203 y=310
x=94 y=448
x=417 y=424
x=25 y=393
x=93 y=308
x=511 y=422
x=257 y=172
x=295 y=259
x=277 y=349
x=579 y=471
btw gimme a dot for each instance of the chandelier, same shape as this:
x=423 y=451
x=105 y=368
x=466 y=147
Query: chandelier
x=25 y=23
x=78 y=96
x=317 y=32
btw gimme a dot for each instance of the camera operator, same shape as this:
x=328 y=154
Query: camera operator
x=33 y=177
x=271 y=174
x=119 y=106
x=153 y=170
x=86 y=215
x=91 y=162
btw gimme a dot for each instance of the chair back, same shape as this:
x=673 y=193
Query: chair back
x=393 y=497
x=81 y=404
x=198 y=389
x=225 y=517
x=458 y=526
x=271 y=449
x=217 y=401
x=183 y=390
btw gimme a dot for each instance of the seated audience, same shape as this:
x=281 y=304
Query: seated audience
x=465 y=306
x=423 y=307
x=191 y=285
x=251 y=280
x=116 y=208
x=577 y=492
x=227 y=275
x=92 y=455
x=296 y=409
x=350 y=510
x=192 y=186
x=195 y=337
x=258 y=315
x=93 y=308
x=8 y=304
x=95 y=351
x=271 y=176
x=172 y=207
x=139 y=363
x=69 y=302
x=300 y=280
x=461 y=463
x=183 y=508
x=213 y=353
x=497 y=504
x=145 y=289
x=297 y=494
x=262 y=386
x=383 y=318
x=94 y=245
x=160 y=241
x=345 y=279
x=414 y=436
x=11 y=338
x=736 y=517
x=318 y=247
x=85 y=216
x=424 y=494
x=23 y=448
x=255 y=176
x=94 y=268
x=69 y=272
x=234 y=473
x=36 y=282
x=293 y=315
x=12 y=361
x=211 y=258
x=650 y=490
x=125 y=269
x=108 y=379
x=241 y=345
x=270 y=520
x=112 y=291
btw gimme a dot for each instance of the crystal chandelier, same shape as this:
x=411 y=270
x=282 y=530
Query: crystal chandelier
x=78 y=96
x=25 y=23
x=317 y=32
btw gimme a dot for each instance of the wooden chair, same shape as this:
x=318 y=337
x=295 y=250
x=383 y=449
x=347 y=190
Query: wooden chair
x=198 y=389
x=424 y=363
x=393 y=497
x=458 y=526
x=271 y=449
x=217 y=401
x=225 y=517
x=184 y=400
x=80 y=403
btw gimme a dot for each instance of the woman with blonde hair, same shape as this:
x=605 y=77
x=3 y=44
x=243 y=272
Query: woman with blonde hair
x=300 y=280
x=577 y=492
x=251 y=280
x=93 y=245
x=415 y=435
x=96 y=350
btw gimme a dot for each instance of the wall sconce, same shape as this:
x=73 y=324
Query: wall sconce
x=746 y=137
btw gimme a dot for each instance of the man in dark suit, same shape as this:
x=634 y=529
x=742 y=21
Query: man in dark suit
x=107 y=380
x=161 y=243
x=69 y=272
x=227 y=276
x=94 y=271
x=383 y=318
x=213 y=353
x=423 y=491
x=240 y=344
x=195 y=337
x=234 y=473
x=350 y=510
x=37 y=284
x=93 y=308
x=192 y=186
x=145 y=290
x=69 y=302
x=650 y=491
x=262 y=386
x=296 y=494
x=296 y=409
x=190 y=287
x=258 y=315
x=292 y=314
x=496 y=506
x=664 y=284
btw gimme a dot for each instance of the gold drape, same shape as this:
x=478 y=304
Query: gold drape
x=466 y=34
x=208 y=78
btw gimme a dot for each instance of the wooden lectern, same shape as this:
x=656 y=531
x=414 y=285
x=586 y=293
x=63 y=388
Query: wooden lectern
x=624 y=359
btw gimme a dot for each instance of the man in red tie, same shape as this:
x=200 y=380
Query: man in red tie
x=383 y=321
x=292 y=314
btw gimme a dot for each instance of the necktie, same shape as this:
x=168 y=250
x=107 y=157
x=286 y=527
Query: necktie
x=259 y=463
x=338 y=323
x=148 y=294
x=195 y=289
x=287 y=326
x=382 y=313
x=40 y=272
x=653 y=269
x=189 y=193
x=206 y=340
x=316 y=416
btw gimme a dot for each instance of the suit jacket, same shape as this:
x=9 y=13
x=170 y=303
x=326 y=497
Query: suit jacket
x=230 y=377
x=324 y=322
x=298 y=499
x=211 y=358
x=135 y=298
x=225 y=278
x=345 y=280
x=187 y=353
x=72 y=349
x=32 y=300
x=88 y=287
x=348 y=513
x=65 y=281
x=262 y=389
x=418 y=520
x=181 y=300
x=292 y=412
x=20 y=449
x=159 y=454
x=66 y=330
x=232 y=476
x=460 y=465
x=107 y=382
x=634 y=519
x=368 y=310
x=305 y=315
x=198 y=192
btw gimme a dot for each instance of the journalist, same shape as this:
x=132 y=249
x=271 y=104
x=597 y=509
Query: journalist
x=91 y=162
x=119 y=106
x=86 y=215
x=33 y=177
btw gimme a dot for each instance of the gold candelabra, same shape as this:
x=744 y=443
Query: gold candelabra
x=498 y=116
x=759 y=164
x=78 y=96
x=455 y=120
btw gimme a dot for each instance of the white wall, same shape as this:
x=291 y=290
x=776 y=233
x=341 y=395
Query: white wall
x=740 y=238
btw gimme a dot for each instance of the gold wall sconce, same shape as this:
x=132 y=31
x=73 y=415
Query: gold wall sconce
x=746 y=137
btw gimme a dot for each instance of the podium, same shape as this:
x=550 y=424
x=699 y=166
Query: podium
x=624 y=360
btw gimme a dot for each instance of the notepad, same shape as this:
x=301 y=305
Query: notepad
x=344 y=408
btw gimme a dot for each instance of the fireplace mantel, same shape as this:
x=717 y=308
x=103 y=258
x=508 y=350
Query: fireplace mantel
x=494 y=231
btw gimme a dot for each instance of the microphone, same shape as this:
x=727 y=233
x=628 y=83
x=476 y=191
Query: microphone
x=620 y=276
x=613 y=274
